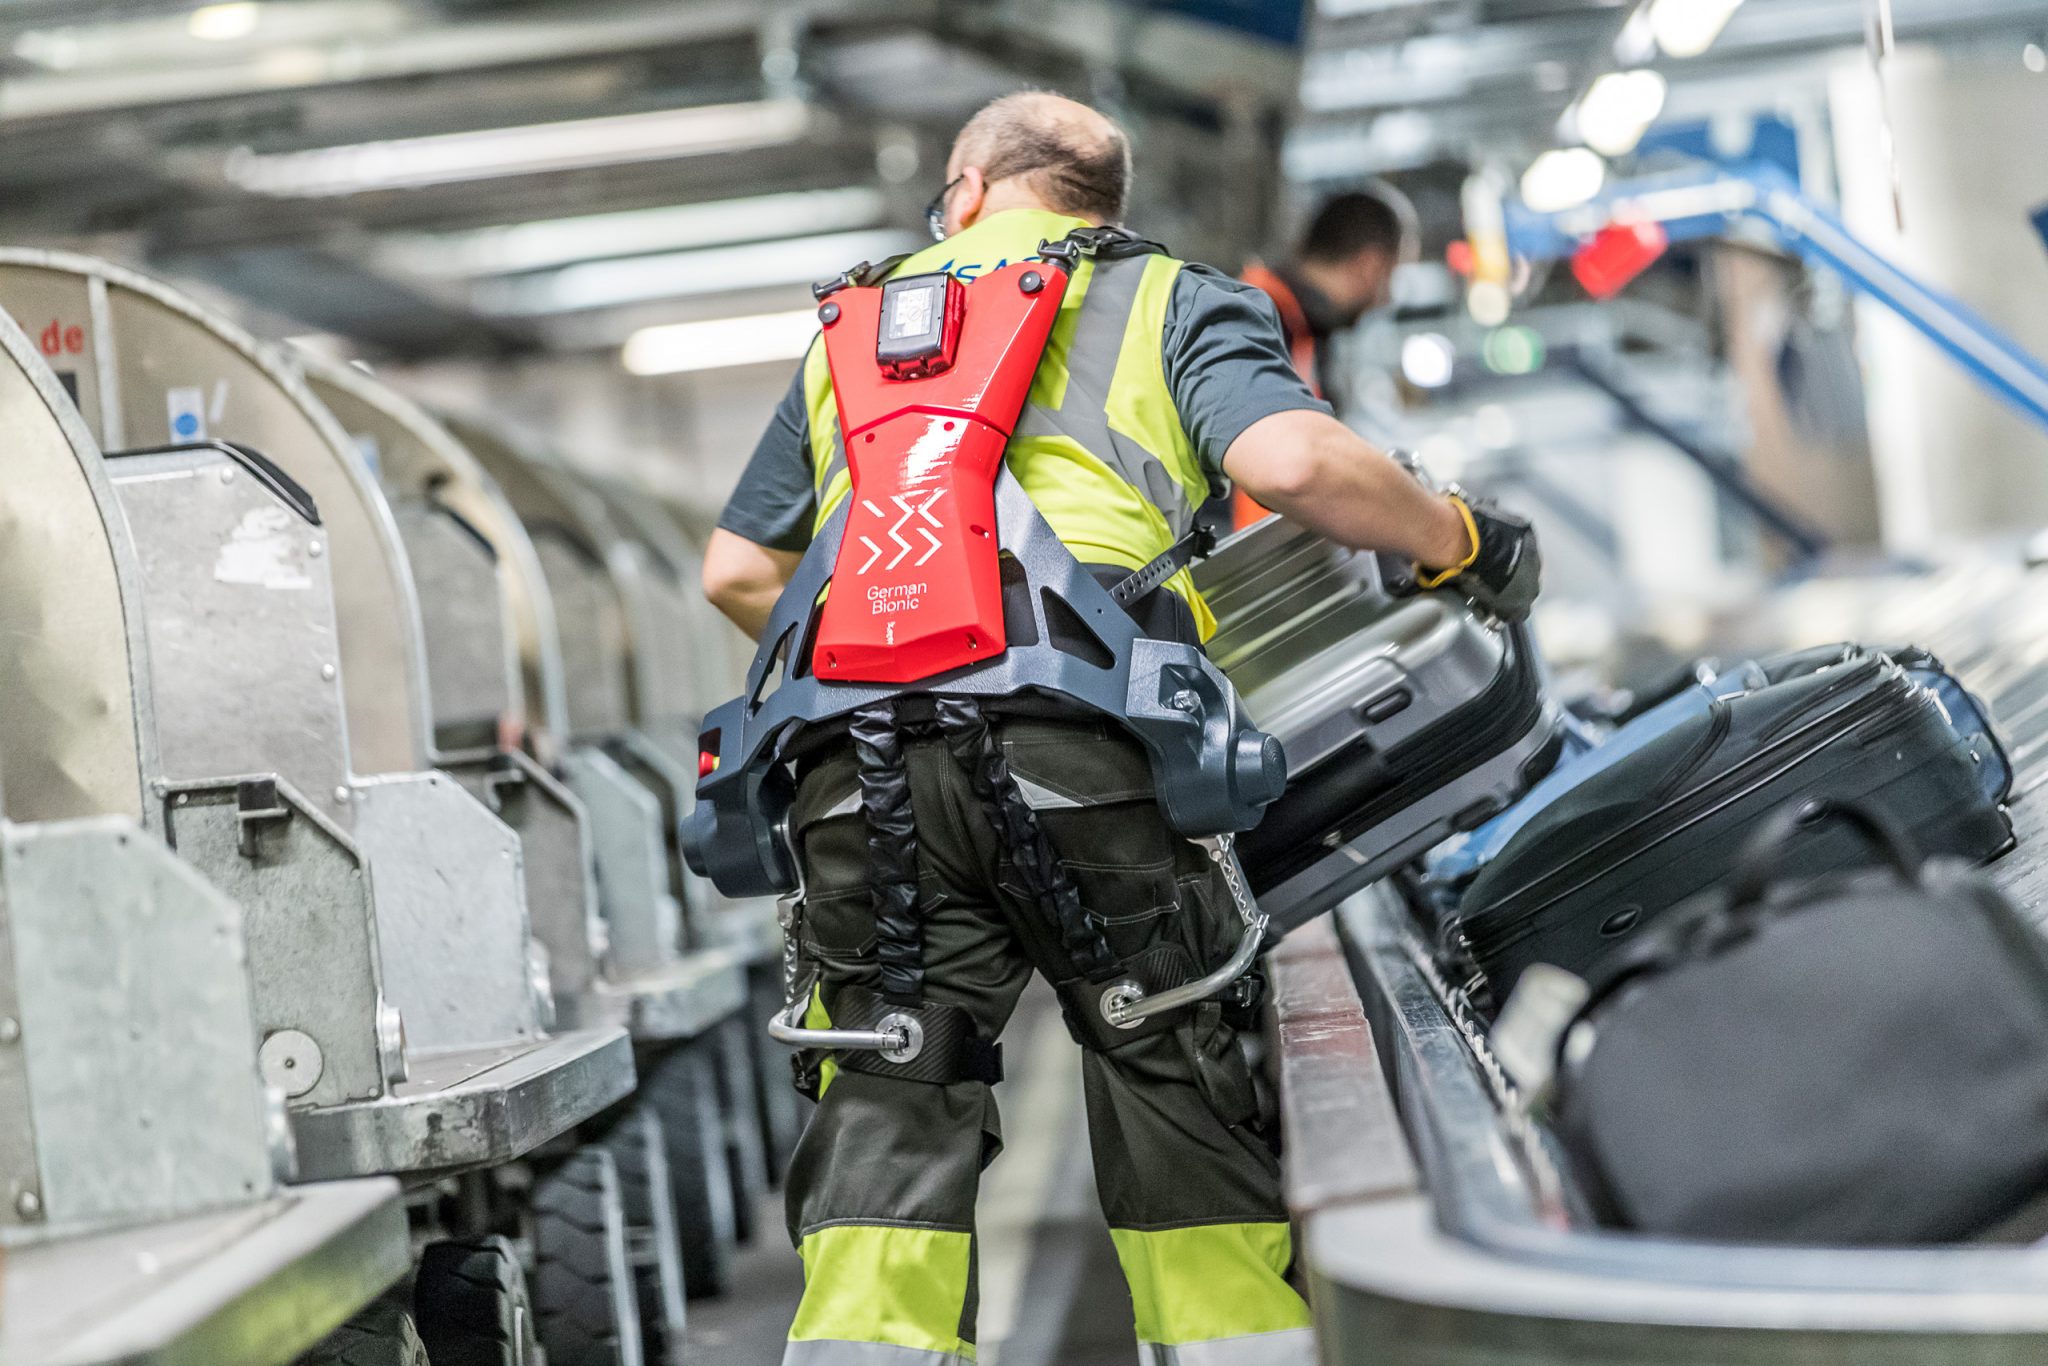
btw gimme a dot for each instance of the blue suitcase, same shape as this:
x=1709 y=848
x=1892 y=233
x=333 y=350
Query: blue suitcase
x=1458 y=861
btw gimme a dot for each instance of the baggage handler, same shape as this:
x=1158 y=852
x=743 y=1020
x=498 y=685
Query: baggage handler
x=1343 y=270
x=1161 y=379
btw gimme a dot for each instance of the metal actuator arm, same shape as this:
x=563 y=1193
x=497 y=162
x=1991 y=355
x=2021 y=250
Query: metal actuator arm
x=895 y=1038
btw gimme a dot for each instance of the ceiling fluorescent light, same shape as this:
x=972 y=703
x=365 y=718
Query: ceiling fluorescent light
x=1563 y=179
x=720 y=343
x=1637 y=42
x=446 y=158
x=53 y=50
x=1618 y=109
x=641 y=279
x=223 y=23
x=555 y=242
x=1686 y=28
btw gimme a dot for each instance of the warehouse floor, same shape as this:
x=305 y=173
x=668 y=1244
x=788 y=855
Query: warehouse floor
x=1051 y=1293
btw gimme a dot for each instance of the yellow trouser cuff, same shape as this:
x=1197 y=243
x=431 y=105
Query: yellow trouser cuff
x=1210 y=1281
x=906 y=1287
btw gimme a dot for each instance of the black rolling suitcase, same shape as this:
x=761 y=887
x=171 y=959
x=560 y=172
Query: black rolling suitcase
x=1664 y=824
x=1406 y=716
x=1855 y=1060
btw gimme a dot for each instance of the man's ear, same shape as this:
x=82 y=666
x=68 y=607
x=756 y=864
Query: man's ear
x=968 y=199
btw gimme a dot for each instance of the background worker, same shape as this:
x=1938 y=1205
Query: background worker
x=1160 y=379
x=1342 y=270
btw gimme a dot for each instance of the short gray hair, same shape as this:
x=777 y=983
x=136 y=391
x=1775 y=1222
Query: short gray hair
x=1074 y=158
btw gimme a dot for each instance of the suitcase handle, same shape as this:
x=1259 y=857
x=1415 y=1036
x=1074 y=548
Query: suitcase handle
x=1766 y=848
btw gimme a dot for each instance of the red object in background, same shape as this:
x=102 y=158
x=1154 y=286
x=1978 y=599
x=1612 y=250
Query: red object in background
x=1617 y=254
x=1458 y=256
x=917 y=587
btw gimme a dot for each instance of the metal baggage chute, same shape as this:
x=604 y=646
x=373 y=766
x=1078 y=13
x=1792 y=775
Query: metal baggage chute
x=165 y=372
x=585 y=574
x=712 y=663
x=329 y=747
x=633 y=740
x=420 y=460
x=424 y=467
x=161 y=1160
x=77 y=727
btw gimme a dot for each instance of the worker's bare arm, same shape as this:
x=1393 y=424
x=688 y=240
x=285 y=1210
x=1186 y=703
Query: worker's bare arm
x=743 y=579
x=1314 y=470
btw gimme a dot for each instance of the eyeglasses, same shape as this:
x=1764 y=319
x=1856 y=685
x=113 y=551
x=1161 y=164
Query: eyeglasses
x=935 y=212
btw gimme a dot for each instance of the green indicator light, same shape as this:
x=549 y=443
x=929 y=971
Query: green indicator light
x=1513 y=351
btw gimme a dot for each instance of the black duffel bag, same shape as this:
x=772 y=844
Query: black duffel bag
x=1858 y=1059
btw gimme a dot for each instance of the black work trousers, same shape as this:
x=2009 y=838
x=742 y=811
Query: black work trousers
x=882 y=1188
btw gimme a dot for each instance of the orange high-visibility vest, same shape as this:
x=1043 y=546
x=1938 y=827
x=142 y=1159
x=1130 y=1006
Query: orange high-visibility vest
x=1301 y=349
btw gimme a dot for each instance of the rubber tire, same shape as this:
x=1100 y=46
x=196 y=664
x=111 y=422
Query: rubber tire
x=381 y=1334
x=783 y=1112
x=681 y=1083
x=740 y=1104
x=639 y=1150
x=584 y=1310
x=470 y=1301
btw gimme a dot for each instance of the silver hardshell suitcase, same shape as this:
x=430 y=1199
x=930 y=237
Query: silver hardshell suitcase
x=1406 y=718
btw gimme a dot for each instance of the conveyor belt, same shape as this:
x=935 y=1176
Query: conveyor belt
x=1428 y=1236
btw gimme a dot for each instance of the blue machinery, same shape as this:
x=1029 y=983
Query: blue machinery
x=1704 y=201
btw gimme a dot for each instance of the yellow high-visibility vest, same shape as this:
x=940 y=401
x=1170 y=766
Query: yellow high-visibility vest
x=1100 y=447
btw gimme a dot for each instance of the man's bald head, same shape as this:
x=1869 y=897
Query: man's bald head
x=1070 y=158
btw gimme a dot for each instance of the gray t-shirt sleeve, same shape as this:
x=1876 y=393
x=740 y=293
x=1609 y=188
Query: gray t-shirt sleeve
x=774 y=502
x=1226 y=361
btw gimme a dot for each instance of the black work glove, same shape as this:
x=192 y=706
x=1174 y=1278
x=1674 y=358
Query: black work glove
x=1505 y=569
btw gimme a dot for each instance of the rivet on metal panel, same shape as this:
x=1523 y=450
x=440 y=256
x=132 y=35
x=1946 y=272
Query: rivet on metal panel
x=227 y=476
x=291 y=1061
x=341 y=794
x=10 y=1030
x=29 y=1205
x=327 y=672
x=313 y=549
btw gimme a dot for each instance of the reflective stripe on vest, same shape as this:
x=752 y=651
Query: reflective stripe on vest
x=1082 y=414
x=1100 y=448
x=1293 y=1347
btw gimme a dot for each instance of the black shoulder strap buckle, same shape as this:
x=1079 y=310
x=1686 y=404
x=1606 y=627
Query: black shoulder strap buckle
x=1196 y=545
x=862 y=276
x=1108 y=244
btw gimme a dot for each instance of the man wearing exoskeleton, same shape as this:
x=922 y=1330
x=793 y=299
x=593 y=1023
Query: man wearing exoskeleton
x=994 y=746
